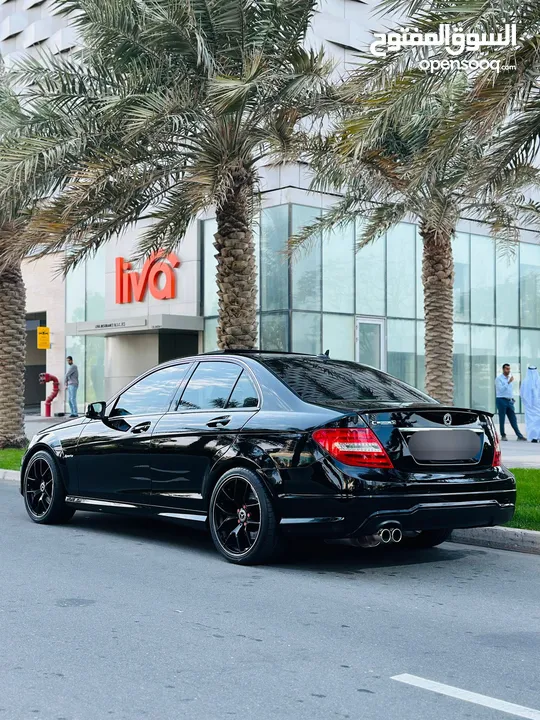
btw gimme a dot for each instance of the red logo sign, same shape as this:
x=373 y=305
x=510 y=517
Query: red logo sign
x=157 y=275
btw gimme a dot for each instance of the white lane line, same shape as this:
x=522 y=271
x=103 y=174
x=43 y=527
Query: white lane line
x=485 y=700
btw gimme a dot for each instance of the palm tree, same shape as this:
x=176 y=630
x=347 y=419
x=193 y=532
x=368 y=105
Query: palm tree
x=168 y=110
x=503 y=98
x=12 y=306
x=381 y=188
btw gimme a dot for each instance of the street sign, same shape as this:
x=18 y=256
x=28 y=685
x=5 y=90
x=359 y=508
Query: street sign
x=43 y=338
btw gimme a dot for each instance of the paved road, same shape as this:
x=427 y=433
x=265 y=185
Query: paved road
x=125 y=619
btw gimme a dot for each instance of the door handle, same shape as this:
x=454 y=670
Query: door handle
x=143 y=427
x=219 y=421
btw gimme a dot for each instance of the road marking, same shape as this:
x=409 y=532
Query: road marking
x=485 y=700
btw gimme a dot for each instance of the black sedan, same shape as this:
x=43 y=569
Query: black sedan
x=258 y=446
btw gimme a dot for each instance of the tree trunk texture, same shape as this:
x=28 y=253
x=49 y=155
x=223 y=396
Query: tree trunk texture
x=236 y=272
x=12 y=357
x=438 y=281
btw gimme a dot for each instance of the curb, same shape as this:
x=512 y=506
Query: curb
x=13 y=475
x=502 y=538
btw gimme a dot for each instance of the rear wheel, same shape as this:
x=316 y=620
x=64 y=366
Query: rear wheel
x=427 y=538
x=43 y=491
x=242 y=519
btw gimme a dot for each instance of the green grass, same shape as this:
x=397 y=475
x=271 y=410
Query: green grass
x=528 y=484
x=528 y=499
x=10 y=459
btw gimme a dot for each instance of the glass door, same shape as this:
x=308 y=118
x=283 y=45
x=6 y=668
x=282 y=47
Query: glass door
x=371 y=342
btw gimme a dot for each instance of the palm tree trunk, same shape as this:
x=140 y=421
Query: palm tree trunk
x=438 y=281
x=12 y=357
x=236 y=270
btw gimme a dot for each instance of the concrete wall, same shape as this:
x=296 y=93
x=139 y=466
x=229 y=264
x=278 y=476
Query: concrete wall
x=45 y=293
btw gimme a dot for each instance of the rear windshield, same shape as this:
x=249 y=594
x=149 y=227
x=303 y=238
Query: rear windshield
x=337 y=382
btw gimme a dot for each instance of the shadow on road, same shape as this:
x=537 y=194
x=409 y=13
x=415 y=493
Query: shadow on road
x=314 y=555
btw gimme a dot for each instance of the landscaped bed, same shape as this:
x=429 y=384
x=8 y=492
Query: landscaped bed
x=528 y=505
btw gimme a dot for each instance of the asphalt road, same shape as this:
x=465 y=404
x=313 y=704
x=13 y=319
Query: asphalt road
x=118 y=618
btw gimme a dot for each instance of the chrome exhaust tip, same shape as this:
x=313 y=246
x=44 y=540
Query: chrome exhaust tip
x=386 y=535
x=397 y=535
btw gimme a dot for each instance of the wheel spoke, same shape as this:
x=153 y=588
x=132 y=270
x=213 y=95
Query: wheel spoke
x=227 y=519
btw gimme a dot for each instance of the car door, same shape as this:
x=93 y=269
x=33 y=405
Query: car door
x=216 y=402
x=113 y=454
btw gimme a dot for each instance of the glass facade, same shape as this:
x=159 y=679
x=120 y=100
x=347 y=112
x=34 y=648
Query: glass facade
x=369 y=304
x=85 y=301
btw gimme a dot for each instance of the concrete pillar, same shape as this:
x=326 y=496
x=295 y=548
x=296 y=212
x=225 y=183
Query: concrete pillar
x=126 y=357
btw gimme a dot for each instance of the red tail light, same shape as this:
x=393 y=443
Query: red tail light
x=353 y=446
x=497 y=457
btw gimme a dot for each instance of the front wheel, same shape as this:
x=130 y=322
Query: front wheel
x=43 y=491
x=242 y=520
x=427 y=538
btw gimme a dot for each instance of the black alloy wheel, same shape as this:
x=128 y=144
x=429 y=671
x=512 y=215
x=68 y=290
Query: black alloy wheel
x=242 y=520
x=44 y=494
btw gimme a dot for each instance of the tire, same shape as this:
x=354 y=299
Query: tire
x=242 y=519
x=43 y=491
x=427 y=538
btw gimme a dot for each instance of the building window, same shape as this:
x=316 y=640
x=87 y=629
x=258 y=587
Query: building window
x=274 y=260
x=461 y=251
x=338 y=336
x=274 y=333
x=401 y=276
x=306 y=332
x=371 y=277
x=338 y=270
x=508 y=352
x=462 y=365
x=401 y=342
x=507 y=289
x=483 y=367
x=530 y=284
x=482 y=279
x=306 y=262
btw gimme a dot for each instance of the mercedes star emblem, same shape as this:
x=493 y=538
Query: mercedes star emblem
x=447 y=419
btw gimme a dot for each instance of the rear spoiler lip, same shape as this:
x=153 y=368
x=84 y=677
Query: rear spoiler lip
x=409 y=406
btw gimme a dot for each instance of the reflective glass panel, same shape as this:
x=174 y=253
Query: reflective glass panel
x=244 y=394
x=462 y=365
x=482 y=279
x=420 y=356
x=210 y=334
x=462 y=297
x=76 y=347
x=95 y=287
x=508 y=352
x=95 y=363
x=338 y=270
x=76 y=294
x=370 y=277
x=370 y=343
x=210 y=298
x=530 y=284
x=402 y=350
x=306 y=333
x=483 y=367
x=306 y=262
x=530 y=349
x=401 y=280
x=338 y=336
x=419 y=284
x=274 y=260
x=507 y=295
x=274 y=331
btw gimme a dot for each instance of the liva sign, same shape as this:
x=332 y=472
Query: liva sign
x=157 y=275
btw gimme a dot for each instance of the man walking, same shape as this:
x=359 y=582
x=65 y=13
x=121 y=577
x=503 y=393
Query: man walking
x=72 y=385
x=505 y=401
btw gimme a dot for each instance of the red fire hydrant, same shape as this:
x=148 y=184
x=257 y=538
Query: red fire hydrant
x=45 y=378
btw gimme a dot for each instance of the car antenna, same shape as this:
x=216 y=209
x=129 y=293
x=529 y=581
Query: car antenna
x=326 y=354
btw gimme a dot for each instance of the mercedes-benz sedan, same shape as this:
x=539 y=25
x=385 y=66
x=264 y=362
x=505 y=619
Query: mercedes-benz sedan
x=258 y=446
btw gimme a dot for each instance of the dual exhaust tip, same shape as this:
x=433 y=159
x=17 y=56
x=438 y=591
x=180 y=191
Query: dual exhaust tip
x=390 y=535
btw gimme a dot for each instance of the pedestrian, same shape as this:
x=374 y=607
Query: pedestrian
x=530 y=394
x=72 y=384
x=505 y=401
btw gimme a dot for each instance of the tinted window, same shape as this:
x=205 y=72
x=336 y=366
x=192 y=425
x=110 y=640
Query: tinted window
x=152 y=394
x=210 y=386
x=334 y=382
x=244 y=394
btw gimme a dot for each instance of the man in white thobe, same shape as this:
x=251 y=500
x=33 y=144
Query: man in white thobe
x=530 y=394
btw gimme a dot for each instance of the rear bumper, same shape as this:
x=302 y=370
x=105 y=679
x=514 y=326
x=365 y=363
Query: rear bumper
x=351 y=517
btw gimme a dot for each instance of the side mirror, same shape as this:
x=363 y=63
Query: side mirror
x=96 y=411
